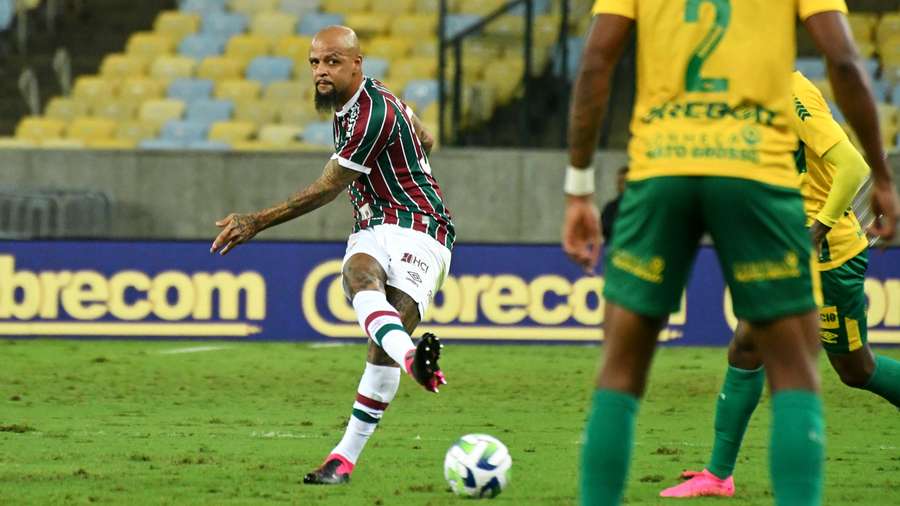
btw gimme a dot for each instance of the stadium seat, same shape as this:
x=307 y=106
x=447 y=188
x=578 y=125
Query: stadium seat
x=91 y=89
x=13 y=142
x=223 y=24
x=250 y=7
x=66 y=109
x=184 y=130
x=231 y=131
x=480 y=7
x=246 y=47
x=375 y=67
x=189 y=90
x=457 y=23
x=35 y=128
x=136 y=131
x=314 y=21
x=238 y=89
x=345 y=6
x=299 y=114
x=419 y=94
x=159 y=111
x=888 y=27
x=209 y=110
x=61 y=143
x=258 y=112
x=139 y=89
x=273 y=24
x=507 y=26
x=299 y=8
x=504 y=78
x=161 y=144
x=407 y=70
x=167 y=68
x=201 y=45
x=176 y=24
x=369 y=24
x=268 y=69
x=111 y=143
x=432 y=7
x=319 y=133
x=862 y=24
x=414 y=26
x=208 y=145
x=217 y=68
x=202 y=6
x=425 y=48
x=295 y=47
x=116 y=110
x=389 y=48
x=280 y=135
x=119 y=66
x=288 y=91
x=87 y=129
x=395 y=7
x=7 y=14
x=148 y=45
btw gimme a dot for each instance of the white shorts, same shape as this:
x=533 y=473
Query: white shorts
x=415 y=263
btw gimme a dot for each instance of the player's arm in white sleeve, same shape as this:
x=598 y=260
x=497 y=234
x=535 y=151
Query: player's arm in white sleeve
x=240 y=228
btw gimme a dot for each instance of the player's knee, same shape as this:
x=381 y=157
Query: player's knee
x=358 y=277
x=854 y=377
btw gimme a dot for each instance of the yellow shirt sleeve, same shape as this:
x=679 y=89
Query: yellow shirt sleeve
x=807 y=8
x=626 y=8
x=852 y=171
x=812 y=118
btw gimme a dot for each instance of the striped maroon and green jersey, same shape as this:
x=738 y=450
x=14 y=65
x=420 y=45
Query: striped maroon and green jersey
x=374 y=134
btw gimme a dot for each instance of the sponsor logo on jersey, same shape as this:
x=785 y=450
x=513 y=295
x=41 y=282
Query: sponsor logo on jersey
x=411 y=259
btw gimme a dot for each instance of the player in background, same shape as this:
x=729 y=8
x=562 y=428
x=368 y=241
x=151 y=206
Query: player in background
x=711 y=151
x=399 y=252
x=832 y=173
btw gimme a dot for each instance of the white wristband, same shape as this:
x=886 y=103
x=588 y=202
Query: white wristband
x=579 y=182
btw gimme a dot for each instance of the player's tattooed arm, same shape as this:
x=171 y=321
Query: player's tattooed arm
x=423 y=134
x=240 y=228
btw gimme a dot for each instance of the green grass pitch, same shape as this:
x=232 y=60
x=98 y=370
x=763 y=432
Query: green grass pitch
x=130 y=423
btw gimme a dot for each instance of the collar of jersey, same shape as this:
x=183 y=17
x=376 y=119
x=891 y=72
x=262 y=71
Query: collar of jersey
x=353 y=99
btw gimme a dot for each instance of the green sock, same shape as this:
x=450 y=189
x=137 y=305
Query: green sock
x=737 y=400
x=607 y=448
x=797 y=448
x=885 y=381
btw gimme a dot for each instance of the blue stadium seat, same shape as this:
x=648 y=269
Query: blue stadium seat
x=189 y=90
x=836 y=112
x=375 y=67
x=201 y=45
x=206 y=145
x=223 y=24
x=420 y=93
x=540 y=7
x=210 y=111
x=7 y=12
x=895 y=95
x=299 y=8
x=184 y=130
x=459 y=22
x=311 y=23
x=319 y=133
x=163 y=144
x=202 y=6
x=575 y=46
x=812 y=68
x=871 y=66
x=268 y=69
x=881 y=89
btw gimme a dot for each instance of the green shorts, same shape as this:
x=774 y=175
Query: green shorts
x=842 y=317
x=759 y=234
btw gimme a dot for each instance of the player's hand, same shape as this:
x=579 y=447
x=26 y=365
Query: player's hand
x=581 y=232
x=886 y=210
x=818 y=231
x=236 y=229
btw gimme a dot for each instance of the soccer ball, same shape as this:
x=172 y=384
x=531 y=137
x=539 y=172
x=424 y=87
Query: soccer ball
x=477 y=466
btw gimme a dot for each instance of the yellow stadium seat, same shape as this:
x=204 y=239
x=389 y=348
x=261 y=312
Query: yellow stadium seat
x=389 y=48
x=480 y=6
x=250 y=7
x=545 y=30
x=430 y=114
x=166 y=68
x=251 y=146
x=66 y=109
x=16 y=143
x=345 y=6
x=149 y=45
x=159 y=111
x=218 y=68
x=92 y=89
x=86 y=129
x=888 y=27
x=504 y=78
x=394 y=7
x=289 y=91
x=36 y=128
x=176 y=24
x=273 y=24
x=413 y=68
x=416 y=26
x=862 y=25
x=117 y=110
x=138 y=89
x=432 y=7
x=293 y=46
x=136 y=131
x=61 y=143
x=111 y=143
x=507 y=25
x=231 y=131
x=473 y=68
x=120 y=66
x=280 y=135
x=258 y=112
x=299 y=114
x=246 y=47
x=238 y=90
x=425 y=48
x=369 y=24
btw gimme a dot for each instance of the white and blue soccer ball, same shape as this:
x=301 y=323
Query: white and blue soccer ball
x=477 y=465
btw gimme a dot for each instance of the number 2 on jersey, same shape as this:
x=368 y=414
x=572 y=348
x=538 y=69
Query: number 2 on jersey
x=692 y=79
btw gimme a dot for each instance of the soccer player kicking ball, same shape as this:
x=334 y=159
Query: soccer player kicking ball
x=399 y=253
x=711 y=152
x=832 y=173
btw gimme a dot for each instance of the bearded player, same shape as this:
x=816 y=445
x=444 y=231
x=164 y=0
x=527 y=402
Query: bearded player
x=711 y=151
x=399 y=252
x=832 y=173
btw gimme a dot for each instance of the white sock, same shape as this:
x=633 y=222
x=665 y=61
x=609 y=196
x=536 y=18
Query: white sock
x=381 y=322
x=377 y=388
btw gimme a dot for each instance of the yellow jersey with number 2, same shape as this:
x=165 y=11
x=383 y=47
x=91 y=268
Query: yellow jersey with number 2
x=713 y=86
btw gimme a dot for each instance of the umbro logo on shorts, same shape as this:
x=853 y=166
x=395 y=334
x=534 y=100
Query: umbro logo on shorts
x=411 y=259
x=414 y=277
